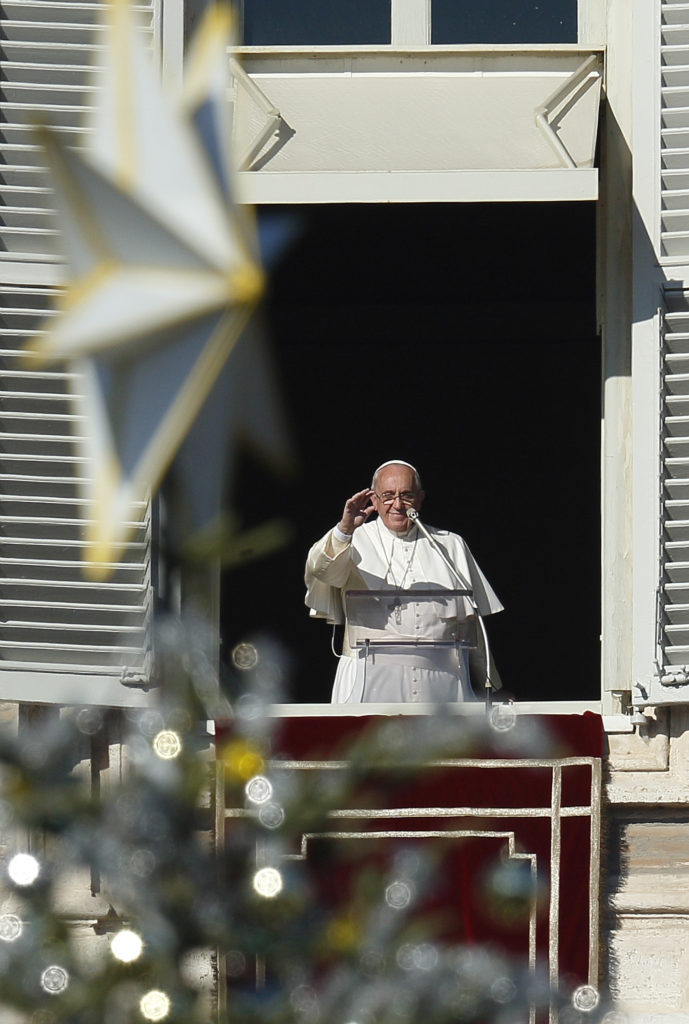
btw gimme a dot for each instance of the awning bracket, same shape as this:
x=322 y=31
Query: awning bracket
x=555 y=100
x=273 y=120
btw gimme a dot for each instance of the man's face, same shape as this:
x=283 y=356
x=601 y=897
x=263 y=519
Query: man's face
x=395 y=493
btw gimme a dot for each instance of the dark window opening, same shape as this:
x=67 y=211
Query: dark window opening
x=504 y=21
x=462 y=339
x=314 y=23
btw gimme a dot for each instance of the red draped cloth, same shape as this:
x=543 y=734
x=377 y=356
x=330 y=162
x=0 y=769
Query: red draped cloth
x=494 y=816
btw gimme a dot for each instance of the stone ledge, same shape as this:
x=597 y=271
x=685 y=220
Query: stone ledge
x=651 y=765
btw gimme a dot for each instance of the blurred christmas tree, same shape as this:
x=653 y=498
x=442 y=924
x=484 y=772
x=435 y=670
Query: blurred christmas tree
x=206 y=922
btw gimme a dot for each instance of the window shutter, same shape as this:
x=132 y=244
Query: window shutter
x=63 y=637
x=54 y=621
x=671 y=683
x=674 y=129
x=46 y=48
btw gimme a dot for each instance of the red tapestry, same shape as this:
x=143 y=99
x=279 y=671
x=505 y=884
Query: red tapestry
x=508 y=819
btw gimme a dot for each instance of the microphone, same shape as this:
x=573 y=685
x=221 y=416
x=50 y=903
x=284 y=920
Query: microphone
x=413 y=515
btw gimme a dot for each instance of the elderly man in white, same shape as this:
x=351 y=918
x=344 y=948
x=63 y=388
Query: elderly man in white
x=392 y=553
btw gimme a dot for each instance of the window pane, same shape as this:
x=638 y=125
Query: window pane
x=504 y=21
x=315 y=22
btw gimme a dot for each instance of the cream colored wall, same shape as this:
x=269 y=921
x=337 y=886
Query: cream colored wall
x=646 y=877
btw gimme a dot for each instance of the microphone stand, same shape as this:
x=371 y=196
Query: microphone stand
x=413 y=515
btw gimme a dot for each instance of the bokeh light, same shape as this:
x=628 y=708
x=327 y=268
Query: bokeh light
x=426 y=956
x=89 y=721
x=417 y=957
x=251 y=709
x=503 y=717
x=167 y=744
x=342 y=934
x=127 y=946
x=142 y=862
x=585 y=998
x=271 y=815
x=503 y=990
x=398 y=895
x=149 y=722
x=268 y=882
x=155 y=1005
x=242 y=760
x=405 y=956
x=54 y=980
x=258 y=789
x=235 y=963
x=23 y=869
x=304 y=1001
x=10 y=927
x=244 y=656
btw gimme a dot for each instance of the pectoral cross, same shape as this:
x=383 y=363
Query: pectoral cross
x=396 y=606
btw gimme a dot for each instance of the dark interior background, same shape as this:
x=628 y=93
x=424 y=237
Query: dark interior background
x=461 y=338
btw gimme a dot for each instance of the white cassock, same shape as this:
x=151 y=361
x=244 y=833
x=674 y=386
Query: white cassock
x=379 y=559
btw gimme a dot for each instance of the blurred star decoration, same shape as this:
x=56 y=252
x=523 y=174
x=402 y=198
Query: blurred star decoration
x=164 y=272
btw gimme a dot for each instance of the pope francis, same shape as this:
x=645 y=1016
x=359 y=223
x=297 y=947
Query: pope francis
x=410 y=630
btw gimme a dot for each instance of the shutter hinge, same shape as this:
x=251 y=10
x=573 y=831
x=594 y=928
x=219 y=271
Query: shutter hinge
x=679 y=676
x=138 y=677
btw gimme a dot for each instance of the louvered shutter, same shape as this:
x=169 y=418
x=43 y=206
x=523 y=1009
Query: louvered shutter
x=674 y=127
x=63 y=637
x=671 y=681
x=46 y=47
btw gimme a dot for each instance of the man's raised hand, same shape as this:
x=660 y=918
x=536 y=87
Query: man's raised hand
x=356 y=511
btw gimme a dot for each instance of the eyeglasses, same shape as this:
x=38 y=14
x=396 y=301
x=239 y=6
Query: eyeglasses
x=406 y=497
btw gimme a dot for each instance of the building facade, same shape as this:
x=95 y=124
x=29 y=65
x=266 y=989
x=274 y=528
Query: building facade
x=417 y=102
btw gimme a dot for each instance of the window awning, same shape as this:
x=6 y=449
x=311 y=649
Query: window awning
x=450 y=124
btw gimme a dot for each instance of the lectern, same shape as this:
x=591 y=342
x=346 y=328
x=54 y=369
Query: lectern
x=397 y=631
